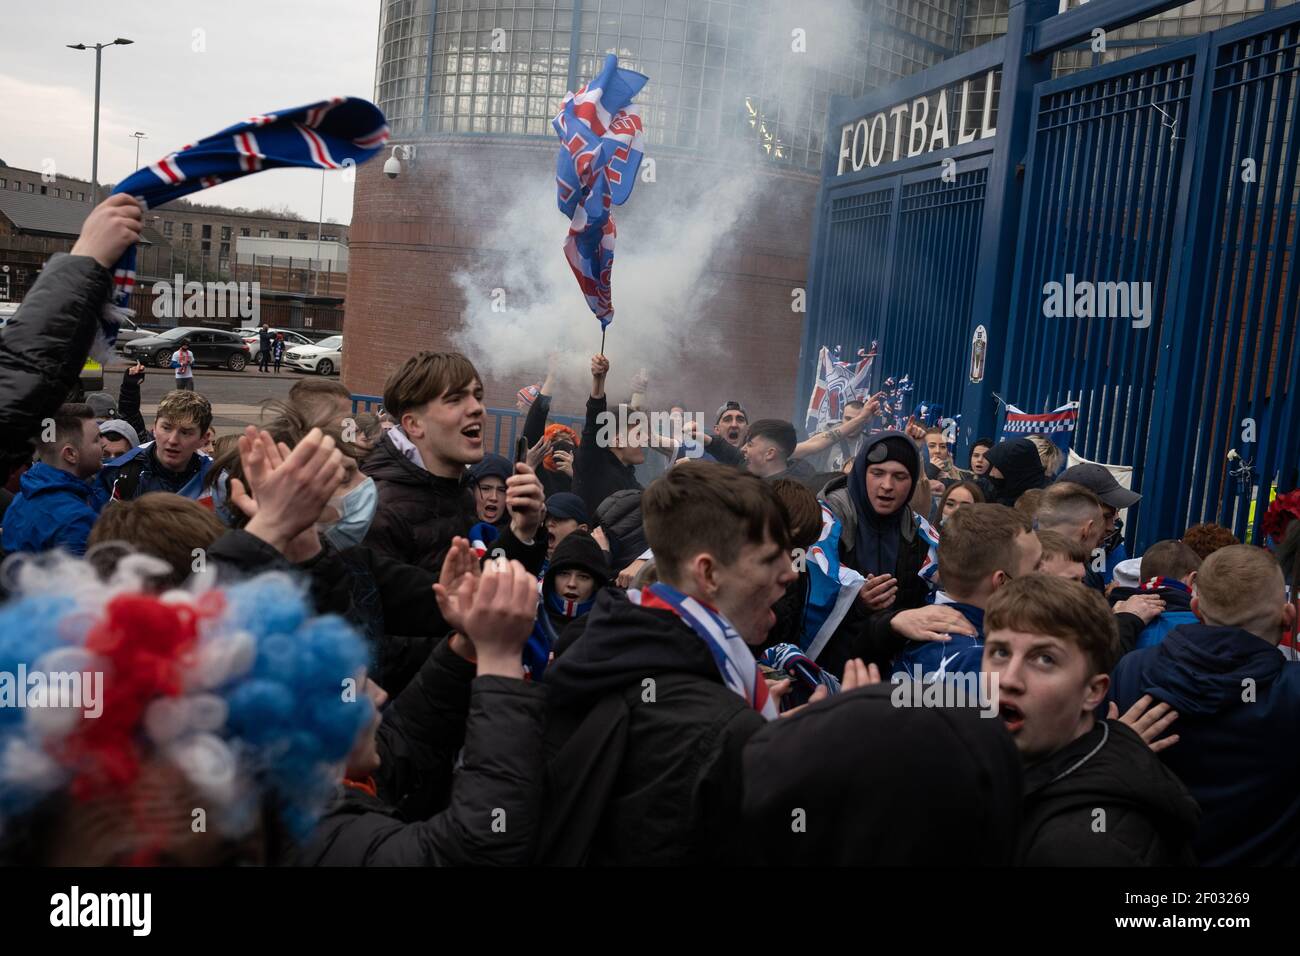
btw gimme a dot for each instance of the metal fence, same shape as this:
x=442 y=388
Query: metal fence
x=1173 y=173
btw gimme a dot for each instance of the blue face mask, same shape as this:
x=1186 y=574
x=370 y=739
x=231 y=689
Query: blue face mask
x=356 y=510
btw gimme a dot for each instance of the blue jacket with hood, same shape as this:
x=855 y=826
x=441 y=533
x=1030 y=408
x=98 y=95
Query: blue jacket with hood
x=1238 y=703
x=52 y=511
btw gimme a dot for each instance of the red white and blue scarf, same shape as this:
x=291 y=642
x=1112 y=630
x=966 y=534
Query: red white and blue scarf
x=332 y=134
x=735 y=660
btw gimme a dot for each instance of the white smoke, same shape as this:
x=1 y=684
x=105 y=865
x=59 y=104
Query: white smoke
x=521 y=299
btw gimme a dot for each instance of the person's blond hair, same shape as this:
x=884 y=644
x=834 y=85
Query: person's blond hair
x=1057 y=545
x=1242 y=586
x=181 y=406
x=1048 y=453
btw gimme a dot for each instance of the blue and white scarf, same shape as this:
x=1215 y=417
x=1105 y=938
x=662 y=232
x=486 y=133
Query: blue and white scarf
x=332 y=134
x=736 y=664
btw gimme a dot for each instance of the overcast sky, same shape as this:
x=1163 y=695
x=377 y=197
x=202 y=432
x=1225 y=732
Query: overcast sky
x=257 y=56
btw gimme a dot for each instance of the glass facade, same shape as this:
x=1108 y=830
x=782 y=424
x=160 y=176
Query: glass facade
x=759 y=72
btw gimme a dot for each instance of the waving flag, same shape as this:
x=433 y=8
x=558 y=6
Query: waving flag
x=1057 y=425
x=831 y=588
x=929 y=566
x=331 y=134
x=837 y=384
x=600 y=153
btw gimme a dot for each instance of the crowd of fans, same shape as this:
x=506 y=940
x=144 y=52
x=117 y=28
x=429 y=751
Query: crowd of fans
x=357 y=639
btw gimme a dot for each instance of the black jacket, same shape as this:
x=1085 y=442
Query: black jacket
x=650 y=770
x=620 y=518
x=43 y=349
x=863 y=633
x=392 y=604
x=597 y=472
x=882 y=785
x=419 y=513
x=1106 y=800
x=128 y=404
x=494 y=796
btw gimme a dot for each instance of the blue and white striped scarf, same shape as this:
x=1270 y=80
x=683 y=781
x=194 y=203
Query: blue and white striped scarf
x=332 y=134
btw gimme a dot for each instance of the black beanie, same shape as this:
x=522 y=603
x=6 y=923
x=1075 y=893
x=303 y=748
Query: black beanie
x=579 y=550
x=899 y=448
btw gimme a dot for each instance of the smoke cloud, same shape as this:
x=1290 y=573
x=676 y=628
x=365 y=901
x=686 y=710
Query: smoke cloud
x=522 y=301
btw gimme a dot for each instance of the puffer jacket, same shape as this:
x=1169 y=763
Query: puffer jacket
x=43 y=348
x=419 y=513
x=402 y=817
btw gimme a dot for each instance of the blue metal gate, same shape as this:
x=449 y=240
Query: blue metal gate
x=1171 y=174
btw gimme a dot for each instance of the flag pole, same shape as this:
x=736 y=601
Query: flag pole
x=602 y=338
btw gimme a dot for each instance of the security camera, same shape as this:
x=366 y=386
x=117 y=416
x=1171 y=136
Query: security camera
x=393 y=166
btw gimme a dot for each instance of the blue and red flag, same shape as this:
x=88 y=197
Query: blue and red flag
x=600 y=153
x=331 y=134
x=1057 y=425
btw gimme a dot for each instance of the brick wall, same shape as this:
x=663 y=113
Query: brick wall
x=408 y=239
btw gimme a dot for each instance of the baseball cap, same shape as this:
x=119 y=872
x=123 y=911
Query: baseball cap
x=730 y=407
x=115 y=426
x=1098 y=479
x=566 y=505
x=492 y=466
x=102 y=404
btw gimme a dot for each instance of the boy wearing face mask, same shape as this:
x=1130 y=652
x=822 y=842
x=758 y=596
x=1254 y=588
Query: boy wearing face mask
x=390 y=602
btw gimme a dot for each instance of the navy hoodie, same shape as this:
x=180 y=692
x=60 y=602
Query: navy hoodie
x=1238 y=757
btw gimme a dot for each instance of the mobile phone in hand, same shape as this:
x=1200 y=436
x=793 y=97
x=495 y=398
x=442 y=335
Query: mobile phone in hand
x=521 y=454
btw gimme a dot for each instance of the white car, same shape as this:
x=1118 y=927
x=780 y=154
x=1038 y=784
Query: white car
x=325 y=357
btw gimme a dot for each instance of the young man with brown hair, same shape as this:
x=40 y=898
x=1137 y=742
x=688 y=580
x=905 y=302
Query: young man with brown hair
x=1062 y=557
x=436 y=398
x=171 y=462
x=653 y=703
x=983 y=548
x=53 y=509
x=163 y=525
x=321 y=400
x=1238 y=701
x=1095 y=793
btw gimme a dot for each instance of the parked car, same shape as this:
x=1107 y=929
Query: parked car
x=291 y=338
x=325 y=357
x=92 y=373
x=211 y=347
x=130 y=331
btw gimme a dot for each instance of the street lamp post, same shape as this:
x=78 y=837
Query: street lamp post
x=94 y=159
x=320 y=225
x=138 y=137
